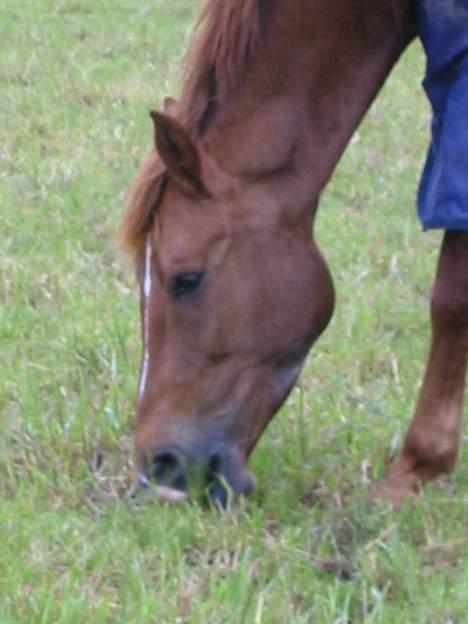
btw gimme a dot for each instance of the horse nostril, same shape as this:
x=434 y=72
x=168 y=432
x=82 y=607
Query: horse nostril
x=169 y=469
x=214 y=465
x=227 y=471
x=164 y=464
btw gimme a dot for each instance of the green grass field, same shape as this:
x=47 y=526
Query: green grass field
x=77 y=78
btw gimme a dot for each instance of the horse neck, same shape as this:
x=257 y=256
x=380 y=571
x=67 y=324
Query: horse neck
x=312 y=81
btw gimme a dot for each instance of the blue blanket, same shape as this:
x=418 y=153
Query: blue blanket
x=443 y=192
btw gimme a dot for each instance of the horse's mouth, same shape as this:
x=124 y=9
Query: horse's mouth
x=162 y=492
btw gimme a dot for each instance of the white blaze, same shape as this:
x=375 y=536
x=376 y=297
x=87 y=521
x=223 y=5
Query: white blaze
x=147 y=285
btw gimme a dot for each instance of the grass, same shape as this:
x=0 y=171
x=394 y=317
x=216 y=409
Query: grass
x=77 y=79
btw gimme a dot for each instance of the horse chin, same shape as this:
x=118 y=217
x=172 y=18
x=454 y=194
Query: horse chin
x=285 y=378
x=283 y=383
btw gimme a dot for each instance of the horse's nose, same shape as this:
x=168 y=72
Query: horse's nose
x=222 y=470
x=169 y=469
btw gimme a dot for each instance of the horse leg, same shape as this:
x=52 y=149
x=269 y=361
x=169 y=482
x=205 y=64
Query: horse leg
x=431 y=444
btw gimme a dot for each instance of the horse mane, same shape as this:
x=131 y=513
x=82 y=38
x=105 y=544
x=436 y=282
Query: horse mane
x=228 y=34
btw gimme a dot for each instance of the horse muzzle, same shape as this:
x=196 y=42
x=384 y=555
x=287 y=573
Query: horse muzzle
x=222 y=474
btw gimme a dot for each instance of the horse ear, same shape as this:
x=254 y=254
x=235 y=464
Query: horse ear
x=171 y=106
x=178 y=152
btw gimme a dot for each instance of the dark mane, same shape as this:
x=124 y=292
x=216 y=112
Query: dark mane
x=227 y=37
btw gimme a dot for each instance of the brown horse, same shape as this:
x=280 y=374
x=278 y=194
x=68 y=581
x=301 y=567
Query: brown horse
x=234 y=290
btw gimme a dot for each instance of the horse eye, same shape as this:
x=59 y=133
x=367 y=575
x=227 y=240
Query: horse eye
x=185 y=284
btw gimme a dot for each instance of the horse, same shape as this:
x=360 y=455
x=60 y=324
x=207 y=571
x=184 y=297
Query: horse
x=220 y=223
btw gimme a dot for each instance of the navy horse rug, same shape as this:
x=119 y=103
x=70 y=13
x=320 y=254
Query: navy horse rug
x=443 y=193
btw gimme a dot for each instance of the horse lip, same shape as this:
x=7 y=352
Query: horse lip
x=170 y=495
x=162 y=492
